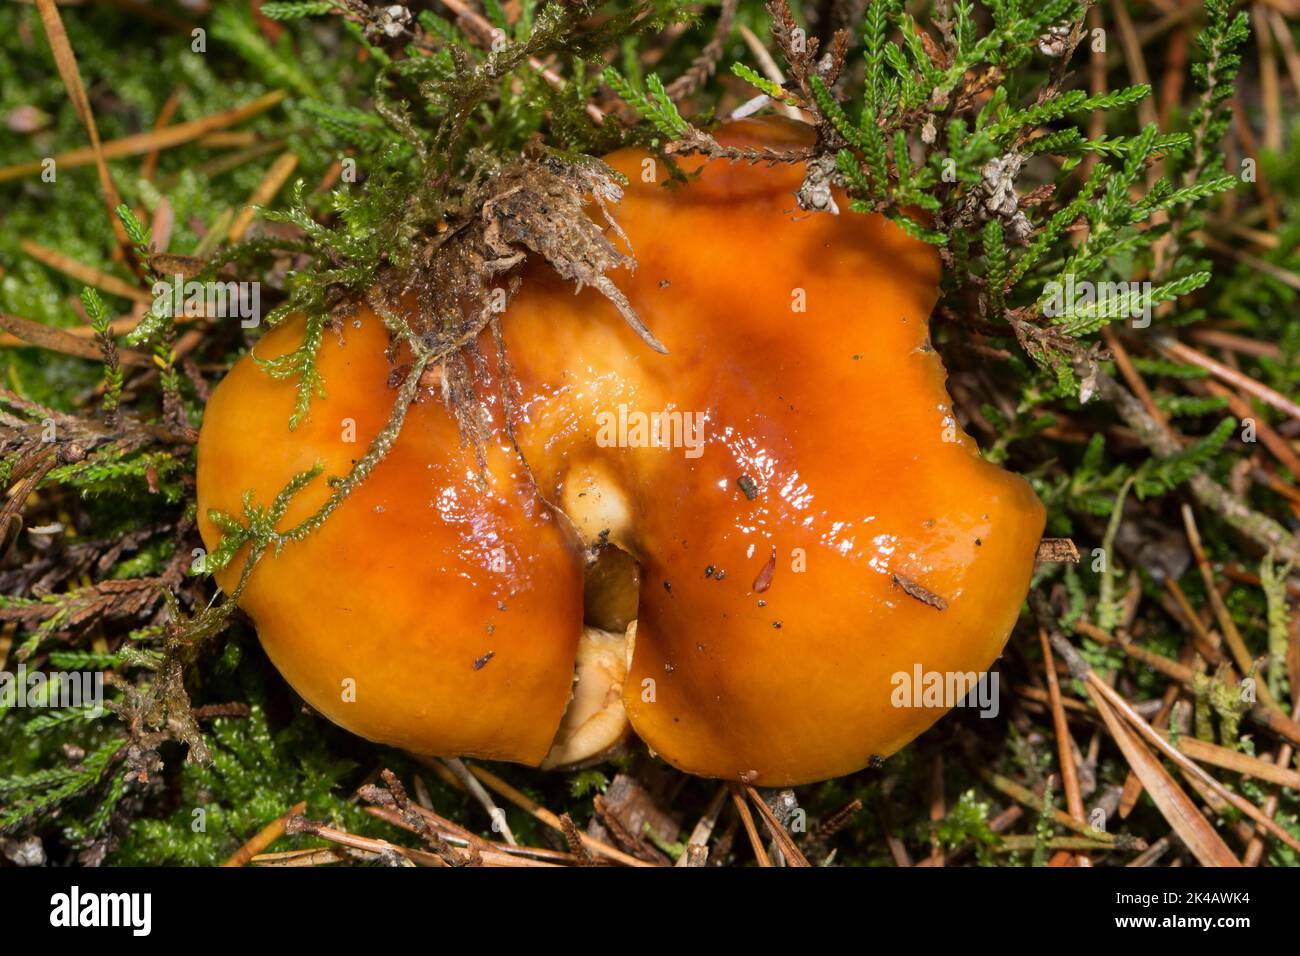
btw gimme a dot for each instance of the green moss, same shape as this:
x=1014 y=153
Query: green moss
x=431 y=117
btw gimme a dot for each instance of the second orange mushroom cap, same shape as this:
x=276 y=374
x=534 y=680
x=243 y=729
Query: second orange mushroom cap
x=809 y=520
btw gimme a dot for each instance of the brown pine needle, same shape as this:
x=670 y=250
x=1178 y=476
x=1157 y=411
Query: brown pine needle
x=1282 y=32
x=1255 y=849
x=1152 y=854
x=1285 y=276
x=1158 y=662
x=66 y=61
x=1097 y=85
x=117 y=327
x=1040 y=696
x=1176 y=807
x=1171 y=86
x=28 y=333
x=1064 y=742
x=793 y=855
x=275 y=178
x=1027 y=843
x=751 y=830
x=1132 y=790
x=265 y=837
x=1231 y=635
x=1137 y=65
x=316 y=856
x=455 y=833
x=1034 y=801
x=1134 y=380
x=704 y=828
x=1267 y=200
x=503 y=789
x=492 y=854
x=230 y=138
x=1238 y=573
x=1234 y=760
x=1277 y=722
x=1269 y=80
x=1185 y=353
x=139 y=143
x=1206 y=642
x=1278 y=446
x=85 y=274
x=1218 y=756
x=1101 y=693
x=164 y=118
x=382 y=848
x=1185 y=763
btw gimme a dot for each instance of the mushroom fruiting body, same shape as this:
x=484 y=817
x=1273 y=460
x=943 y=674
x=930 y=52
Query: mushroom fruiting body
x=807 y=517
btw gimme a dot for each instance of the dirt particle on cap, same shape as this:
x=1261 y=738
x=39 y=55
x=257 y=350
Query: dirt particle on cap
x=764 y=579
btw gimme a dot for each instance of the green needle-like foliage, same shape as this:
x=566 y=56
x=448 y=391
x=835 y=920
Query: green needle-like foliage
x=975 y=127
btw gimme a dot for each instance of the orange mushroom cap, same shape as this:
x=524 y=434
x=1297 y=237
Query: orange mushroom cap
x=808 y=518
